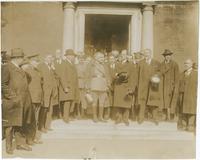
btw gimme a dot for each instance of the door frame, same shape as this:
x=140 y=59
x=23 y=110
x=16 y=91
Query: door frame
x=135 y=25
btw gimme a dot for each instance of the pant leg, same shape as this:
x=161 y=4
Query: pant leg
x=66 y=110
x=191 y=122
x=38 y=132
x=42 y=118
x=142 y=111
x=126 y=112
x=155 y=113
x=9 y=137
x=49 y=117
x=20 y=138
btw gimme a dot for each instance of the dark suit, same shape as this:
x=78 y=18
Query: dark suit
x=50 y=93
x=67 y=74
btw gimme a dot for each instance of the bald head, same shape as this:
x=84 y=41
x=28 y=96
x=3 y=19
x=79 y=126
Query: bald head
x=188 y=64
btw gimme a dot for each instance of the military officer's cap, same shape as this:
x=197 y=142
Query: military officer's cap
x=69 y=52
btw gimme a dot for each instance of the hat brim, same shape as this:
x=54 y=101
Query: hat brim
x=16 y=56
x=167 y=54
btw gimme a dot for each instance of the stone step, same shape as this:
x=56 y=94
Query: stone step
x=81 y=129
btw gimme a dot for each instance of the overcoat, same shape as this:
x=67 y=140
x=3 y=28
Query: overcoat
x=188 y=90
x=145 y=91
x=121 y=88
x=49 y=85
x=35 y=86
x=17 y=107
x=68 y=78
x=170 y=79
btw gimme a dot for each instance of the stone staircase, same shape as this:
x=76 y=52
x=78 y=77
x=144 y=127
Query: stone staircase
x=87 y=129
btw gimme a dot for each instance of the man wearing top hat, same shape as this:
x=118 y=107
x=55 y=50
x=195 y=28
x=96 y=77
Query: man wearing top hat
x=35 y=89
x=15 y=89
x=170 y=75
x=68 y=88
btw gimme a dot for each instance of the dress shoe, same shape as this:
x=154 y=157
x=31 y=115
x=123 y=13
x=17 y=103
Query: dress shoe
x=50 y=129
x=95 y=120
x=31 y=143
x=24 y=147
x=102 y=120
x=126 y=123
x=117 y=121
x=140 y=121
x=9 y=151
x=43 y=130
x=37 y=141
x=156 y=123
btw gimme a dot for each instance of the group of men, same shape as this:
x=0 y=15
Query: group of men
x=116 y=86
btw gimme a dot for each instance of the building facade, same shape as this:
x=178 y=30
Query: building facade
x=44 y=27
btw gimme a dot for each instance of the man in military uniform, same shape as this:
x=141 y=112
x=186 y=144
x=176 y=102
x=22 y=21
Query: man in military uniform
x=188 y=97
x=170 y=75
x=81 y=72
x=98 y=84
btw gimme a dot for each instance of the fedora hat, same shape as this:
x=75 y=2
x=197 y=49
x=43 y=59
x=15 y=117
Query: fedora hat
x=167 y=52
x=16 y=53
x=69 y=52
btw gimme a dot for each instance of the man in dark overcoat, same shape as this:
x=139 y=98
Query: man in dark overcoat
x=50 y=93
x=35 y=89
x=124 y=86
x=15 y=93
x=170 y=76
x=68 y=88
x=148 y=97
x=188 y=97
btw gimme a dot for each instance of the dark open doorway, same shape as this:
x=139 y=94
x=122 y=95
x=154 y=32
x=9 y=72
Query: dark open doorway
x=106 y=32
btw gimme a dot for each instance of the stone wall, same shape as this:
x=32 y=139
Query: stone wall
x=38 y=27
x=176 y=28
x=35 y=27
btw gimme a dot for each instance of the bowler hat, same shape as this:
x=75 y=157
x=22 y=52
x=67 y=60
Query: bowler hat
x=167 y=52
x=17 y=52
x=69 y=52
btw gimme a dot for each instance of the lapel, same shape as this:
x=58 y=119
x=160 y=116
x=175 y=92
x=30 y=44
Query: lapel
x=16 y=69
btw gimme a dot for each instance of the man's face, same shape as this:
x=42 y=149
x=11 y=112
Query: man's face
x=111 y=59
x=168 y=58
x=188 y=65
x=123 y=56
x=34 y=62
x=18 y=60
x=101 y=59
x=71 y=58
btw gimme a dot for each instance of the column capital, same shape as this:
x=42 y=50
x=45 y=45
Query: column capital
x=148 y=6
x=67 y=5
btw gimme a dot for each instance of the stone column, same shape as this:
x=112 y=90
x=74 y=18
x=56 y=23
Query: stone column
x=147 y=27
x=69 y=28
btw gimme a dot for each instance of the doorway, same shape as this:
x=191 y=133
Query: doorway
x=106 y=32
